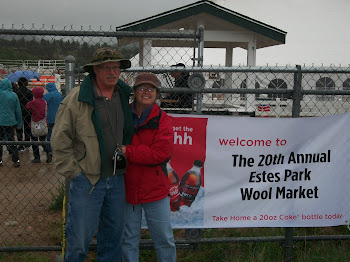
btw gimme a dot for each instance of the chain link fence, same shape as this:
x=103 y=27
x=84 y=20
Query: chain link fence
x=31 y=195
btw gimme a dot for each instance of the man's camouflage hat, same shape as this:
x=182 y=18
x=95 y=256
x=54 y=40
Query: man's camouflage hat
x=104 y=55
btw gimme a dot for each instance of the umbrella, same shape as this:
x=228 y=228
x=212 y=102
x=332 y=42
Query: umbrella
x=13 y=77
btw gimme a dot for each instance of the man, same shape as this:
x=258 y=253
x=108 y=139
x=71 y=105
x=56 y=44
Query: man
x=10 y=118
x=24 y=95
x=93 y=121
x=184 y=99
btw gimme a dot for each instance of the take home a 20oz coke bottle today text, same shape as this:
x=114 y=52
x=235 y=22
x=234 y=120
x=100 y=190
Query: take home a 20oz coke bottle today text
x=190 y=184
x=174 y=191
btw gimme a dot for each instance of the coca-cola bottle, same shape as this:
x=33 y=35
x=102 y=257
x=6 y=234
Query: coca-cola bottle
x=190 y=184
x=173 y=188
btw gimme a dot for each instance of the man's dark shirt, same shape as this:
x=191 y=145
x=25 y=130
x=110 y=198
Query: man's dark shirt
x=24 y=96
x=185 y=99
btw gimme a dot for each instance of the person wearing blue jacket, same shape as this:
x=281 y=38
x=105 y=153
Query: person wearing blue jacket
x=10 y=118
x=53 y=99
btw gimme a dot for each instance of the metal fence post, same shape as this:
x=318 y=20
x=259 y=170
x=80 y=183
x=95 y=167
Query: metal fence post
x=69 y=74
x=60 y=257
x=69 y=85
x=200 y=63
x=297 y=97
x=288 y=243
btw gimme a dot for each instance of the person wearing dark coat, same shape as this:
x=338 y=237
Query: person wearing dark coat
x=184 y=100
x=24 y=95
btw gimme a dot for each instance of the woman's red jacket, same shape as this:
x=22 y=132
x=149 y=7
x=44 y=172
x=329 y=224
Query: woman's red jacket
x=150 y=149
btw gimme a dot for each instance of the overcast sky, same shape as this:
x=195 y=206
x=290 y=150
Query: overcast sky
x=317 y=30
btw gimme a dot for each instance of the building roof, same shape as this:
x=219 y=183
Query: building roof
x=214 y=18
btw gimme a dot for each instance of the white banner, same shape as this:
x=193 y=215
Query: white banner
x=260 y=172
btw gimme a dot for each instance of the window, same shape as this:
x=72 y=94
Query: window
x=244 y=85
x=257 y=86
x=325 y=83
x=346 y=86
x=277 y=83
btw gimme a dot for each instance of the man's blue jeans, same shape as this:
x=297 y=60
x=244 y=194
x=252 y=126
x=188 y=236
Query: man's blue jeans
x=100 y=207
x=158 y=221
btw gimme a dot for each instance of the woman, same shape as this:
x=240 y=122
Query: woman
x=146 y=184
x=38 y=110
x=10 y=118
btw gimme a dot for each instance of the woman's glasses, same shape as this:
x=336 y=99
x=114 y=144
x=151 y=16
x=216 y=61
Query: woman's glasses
x=148 y=89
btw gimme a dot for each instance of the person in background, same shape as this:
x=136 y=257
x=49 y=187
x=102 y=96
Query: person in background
x=53 y=99
x=92 y=122
x=24 y=95
x=10 y=118
x=181 y=78
x=147 y=187
x=38 y=110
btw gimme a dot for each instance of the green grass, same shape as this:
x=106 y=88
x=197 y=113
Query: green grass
x=23 y=257
x=303 y=251
x=261 y=252
x=57 y=197
x=55 y=232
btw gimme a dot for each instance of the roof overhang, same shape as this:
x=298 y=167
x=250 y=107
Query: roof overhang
x=222 y=27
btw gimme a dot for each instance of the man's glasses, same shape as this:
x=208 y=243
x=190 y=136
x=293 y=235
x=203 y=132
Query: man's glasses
x=148 y=89
x=109 y=68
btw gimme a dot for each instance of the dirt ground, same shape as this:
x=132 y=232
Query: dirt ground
x=25 y=195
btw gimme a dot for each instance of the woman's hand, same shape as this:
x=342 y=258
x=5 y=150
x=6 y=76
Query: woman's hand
x=123 y=149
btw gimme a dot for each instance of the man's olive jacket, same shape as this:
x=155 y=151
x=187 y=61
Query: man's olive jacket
x=77 y=138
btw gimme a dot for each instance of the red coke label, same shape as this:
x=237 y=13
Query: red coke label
x=190 y=184
x=174 y=192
